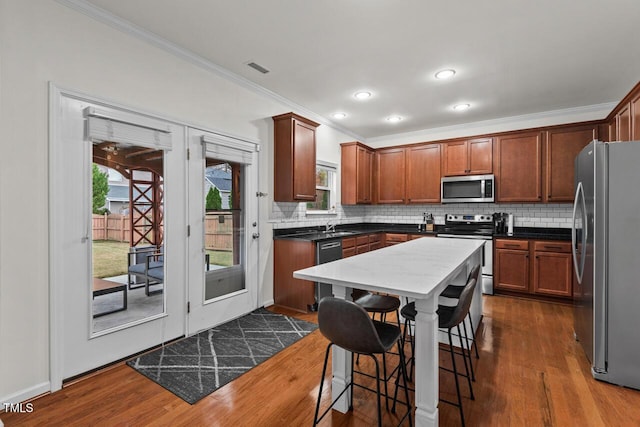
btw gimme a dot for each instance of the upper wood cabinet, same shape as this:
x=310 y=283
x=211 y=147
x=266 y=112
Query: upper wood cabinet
x=635 y=118
x=423 y=173
x=356 y=170
x=562 y=145
x=468 y=157
x=295 y=158
x=518 y=160
x=390 y=175
x=623 y=122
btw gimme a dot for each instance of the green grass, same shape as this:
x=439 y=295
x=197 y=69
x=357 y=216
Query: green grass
x=109 y=258
x=220 y=258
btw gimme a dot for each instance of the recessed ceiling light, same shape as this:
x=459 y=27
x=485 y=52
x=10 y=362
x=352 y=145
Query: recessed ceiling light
x=339 y=115
x=445 y=74
x=362 y=95
x=394 y=119
x=461 y=107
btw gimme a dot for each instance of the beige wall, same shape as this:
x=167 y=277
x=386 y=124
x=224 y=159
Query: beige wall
x=42 y=41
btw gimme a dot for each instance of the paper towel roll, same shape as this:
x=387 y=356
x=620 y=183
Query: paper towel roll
x=510 y=225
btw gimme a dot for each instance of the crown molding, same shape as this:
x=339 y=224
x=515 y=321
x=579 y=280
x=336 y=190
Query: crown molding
x=130 y=28
x=589 y=112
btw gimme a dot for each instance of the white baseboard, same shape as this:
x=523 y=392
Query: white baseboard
x=26 y=394
x=268 y=303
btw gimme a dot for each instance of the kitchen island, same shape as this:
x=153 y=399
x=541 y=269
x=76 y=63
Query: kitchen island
x=419 y=269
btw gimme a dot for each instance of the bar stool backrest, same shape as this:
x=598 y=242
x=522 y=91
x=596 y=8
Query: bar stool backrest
x=464 y=303
x=475 y=273
x=348 y=325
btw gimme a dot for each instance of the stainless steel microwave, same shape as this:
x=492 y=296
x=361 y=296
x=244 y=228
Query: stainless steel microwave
x=469 y=188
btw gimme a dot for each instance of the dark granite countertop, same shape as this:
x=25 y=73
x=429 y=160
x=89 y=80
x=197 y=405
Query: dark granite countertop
x=318 y=233
x=537 y=233
x=314 y=234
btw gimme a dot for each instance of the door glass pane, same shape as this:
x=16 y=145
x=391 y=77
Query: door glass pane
x=223 y=229
x=127 y=205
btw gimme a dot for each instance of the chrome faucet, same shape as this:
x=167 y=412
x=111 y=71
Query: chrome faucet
x=329 y=227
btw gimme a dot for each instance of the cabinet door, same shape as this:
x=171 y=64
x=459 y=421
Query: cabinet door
x=552 y=274
x=364 y=165
x=390 y=175
x=289 y=256
x=635 y=118
x=455 y=159
x=304 y=161
x=519 y=167
x=512 y=270
x=624 y=123
x=423 y=174
x=562 y=147
x=480 y=156
x=613 y=130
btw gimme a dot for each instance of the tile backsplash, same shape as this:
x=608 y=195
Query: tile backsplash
x=289 y=215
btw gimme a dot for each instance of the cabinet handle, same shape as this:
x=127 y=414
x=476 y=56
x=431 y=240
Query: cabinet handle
x=552 y=247
x=511 y=245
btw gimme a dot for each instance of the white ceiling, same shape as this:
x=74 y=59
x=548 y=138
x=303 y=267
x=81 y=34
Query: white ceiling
x=513 y=57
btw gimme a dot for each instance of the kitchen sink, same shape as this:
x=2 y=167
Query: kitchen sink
x=338 y=233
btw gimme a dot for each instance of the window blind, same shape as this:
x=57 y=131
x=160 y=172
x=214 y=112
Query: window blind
x=229 y=149
x=126 y=128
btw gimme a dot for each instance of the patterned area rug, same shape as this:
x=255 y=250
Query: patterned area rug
x=198 y=365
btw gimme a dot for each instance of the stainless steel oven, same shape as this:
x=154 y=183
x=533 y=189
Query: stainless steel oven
x=474 y=226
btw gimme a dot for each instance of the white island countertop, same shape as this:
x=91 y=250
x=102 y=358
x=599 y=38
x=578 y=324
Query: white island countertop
x=412 y=269
x=419 y=269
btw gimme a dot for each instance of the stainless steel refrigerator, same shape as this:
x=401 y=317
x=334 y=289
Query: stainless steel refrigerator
x=606 y=256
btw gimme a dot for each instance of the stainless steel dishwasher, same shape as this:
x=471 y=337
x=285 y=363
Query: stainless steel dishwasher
x=326 y=251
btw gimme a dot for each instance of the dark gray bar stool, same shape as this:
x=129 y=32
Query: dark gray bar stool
x=347 y=325
x=449 y=317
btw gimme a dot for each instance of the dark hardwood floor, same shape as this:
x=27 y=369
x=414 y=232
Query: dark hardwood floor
x=531 y=372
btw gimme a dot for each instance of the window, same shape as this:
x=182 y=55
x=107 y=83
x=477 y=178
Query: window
x=325 y=190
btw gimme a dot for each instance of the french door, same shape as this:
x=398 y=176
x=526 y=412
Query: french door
x=223 y=236
x=100 y=312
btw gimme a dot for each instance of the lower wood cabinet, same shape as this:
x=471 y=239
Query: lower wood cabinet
x=289 y=256
x=511 y=265
x=360 y=244
x=533 y=267
x=552 y=269
x=395 y=238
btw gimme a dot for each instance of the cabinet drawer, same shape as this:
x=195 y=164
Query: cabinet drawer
x=347 y=252
x=396 y=238
x=360 y=249
x=375 y=237
x=362 y=240
x=349 y=242
x=512 y=244
x=375 y=245
x=552 y=246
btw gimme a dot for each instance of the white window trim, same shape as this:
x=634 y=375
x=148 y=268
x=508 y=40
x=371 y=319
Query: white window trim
x=332 y=191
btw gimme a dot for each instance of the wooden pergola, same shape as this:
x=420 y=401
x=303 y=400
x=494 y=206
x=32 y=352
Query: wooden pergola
x=143 y=168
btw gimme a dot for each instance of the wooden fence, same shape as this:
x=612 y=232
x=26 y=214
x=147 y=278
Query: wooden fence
x=111 y=227
x=218 y=229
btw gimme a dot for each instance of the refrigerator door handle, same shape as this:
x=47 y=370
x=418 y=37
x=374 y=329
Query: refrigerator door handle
x=579 y=198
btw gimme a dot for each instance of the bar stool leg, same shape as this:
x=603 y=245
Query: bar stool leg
x=455 y=375
x=466 y=369
x=473 y=334
x=468 y=350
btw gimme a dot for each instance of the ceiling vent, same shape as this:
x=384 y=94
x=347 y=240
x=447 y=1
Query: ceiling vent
x=258 y=67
